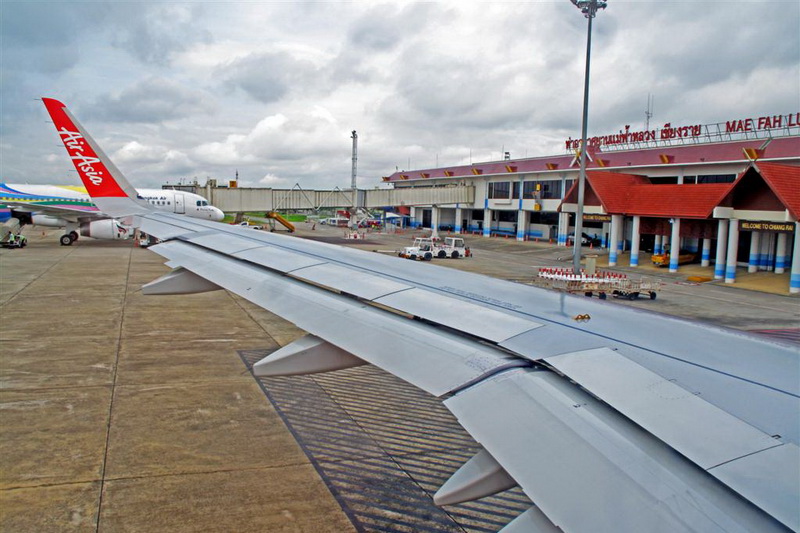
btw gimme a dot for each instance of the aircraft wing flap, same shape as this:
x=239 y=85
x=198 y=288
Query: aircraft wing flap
x=609 y=474
x=733 y=451
x=458 y=314
x=433 y=360
x=163 y=229
x=350 y=281
x=770 y=479
x=226 y=244
x=278 y=259
x=702 y=432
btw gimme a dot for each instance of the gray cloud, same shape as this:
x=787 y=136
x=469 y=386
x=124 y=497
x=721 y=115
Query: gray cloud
x=155 y=32
x=152 y=100
x=268 y=76
x=273 y=89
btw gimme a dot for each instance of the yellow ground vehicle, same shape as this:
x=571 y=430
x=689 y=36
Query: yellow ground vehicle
x=684 y=258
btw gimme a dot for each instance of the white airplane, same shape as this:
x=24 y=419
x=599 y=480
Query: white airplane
x=63 y=206
x=610 y=419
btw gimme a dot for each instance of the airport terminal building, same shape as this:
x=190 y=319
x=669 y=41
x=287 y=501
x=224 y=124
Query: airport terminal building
x=729 y=192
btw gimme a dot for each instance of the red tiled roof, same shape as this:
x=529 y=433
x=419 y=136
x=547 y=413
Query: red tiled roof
x=613 y=189
x=682 y=201
x=630 y=194
x=784 y=181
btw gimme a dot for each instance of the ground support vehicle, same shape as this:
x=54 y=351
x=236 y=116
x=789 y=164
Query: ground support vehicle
x=684 y=258
x=422 y=250
x=627 y=289
x=452 y=247
x=14 y=240
x=601 y=283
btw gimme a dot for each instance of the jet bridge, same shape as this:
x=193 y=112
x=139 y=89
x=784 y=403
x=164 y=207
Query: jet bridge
x=243 y=199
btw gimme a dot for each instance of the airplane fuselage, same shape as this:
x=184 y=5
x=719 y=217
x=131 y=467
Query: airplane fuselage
x=70 y=207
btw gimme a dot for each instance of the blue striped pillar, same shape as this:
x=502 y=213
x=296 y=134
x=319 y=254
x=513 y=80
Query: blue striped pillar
x=781 y=259
x=794 y=279
x=722 y=243
x=616 y=222
x=675 y=251
x=635 y=237
x=733 y=250
x=755 y=243
x=522 y=224
x=705 y=259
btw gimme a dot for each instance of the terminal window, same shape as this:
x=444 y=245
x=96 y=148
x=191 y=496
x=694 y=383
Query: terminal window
x=549 y=189
x=717 y=178
x=500 y=190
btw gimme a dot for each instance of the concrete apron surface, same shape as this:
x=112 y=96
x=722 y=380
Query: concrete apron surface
x=120 y=412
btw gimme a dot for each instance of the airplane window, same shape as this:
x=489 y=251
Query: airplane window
x=198 y=203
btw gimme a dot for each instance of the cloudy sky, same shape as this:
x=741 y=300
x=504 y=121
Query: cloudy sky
x=183 y=90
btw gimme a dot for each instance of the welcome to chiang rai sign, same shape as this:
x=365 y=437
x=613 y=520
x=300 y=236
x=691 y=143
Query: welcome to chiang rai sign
x=738 y=127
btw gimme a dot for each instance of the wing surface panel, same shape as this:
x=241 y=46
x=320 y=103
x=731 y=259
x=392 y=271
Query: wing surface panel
x=708 y=436
x=755 y=478
x=461 y=315
x=225 y=244
x=433 y=360
x=580 y=454
x=361 y=284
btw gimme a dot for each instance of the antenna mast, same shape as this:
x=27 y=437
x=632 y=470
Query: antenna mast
x=649 y=112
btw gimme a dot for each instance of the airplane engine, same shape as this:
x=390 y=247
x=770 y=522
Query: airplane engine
x=45 y=220
x=105 y=229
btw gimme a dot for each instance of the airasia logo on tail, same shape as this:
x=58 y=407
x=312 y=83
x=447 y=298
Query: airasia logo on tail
x=76 y=144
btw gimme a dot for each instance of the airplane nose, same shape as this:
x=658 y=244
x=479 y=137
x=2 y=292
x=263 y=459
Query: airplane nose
x=217 y=215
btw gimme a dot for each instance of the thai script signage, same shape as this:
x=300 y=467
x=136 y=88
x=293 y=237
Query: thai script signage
x=779 y=227
x=738 y=127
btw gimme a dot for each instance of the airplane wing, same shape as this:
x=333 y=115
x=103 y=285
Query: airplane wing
x=627 y=421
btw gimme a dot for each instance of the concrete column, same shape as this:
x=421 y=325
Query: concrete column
x=563 y=228
x=606 y=231
x=722 y=243
x=768 y=252
x=457 y=227
x=657 y=246
x=435 y=216
x=412 y=217
x=675 y=251
x=616 y=222
x=637 y=221
x=780 y=254
x=755 y=242
x=487 y=222
x=705 y=260
x=733 y=250
x=522 y=224
x=794 y=278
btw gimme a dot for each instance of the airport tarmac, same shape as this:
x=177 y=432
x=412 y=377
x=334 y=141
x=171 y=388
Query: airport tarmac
x=120 y=412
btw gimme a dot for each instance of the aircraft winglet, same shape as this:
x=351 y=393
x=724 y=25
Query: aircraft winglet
x=109 y=189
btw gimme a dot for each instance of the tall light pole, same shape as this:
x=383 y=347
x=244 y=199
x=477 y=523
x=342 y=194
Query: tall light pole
x=353 y=187
x=589 y=9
